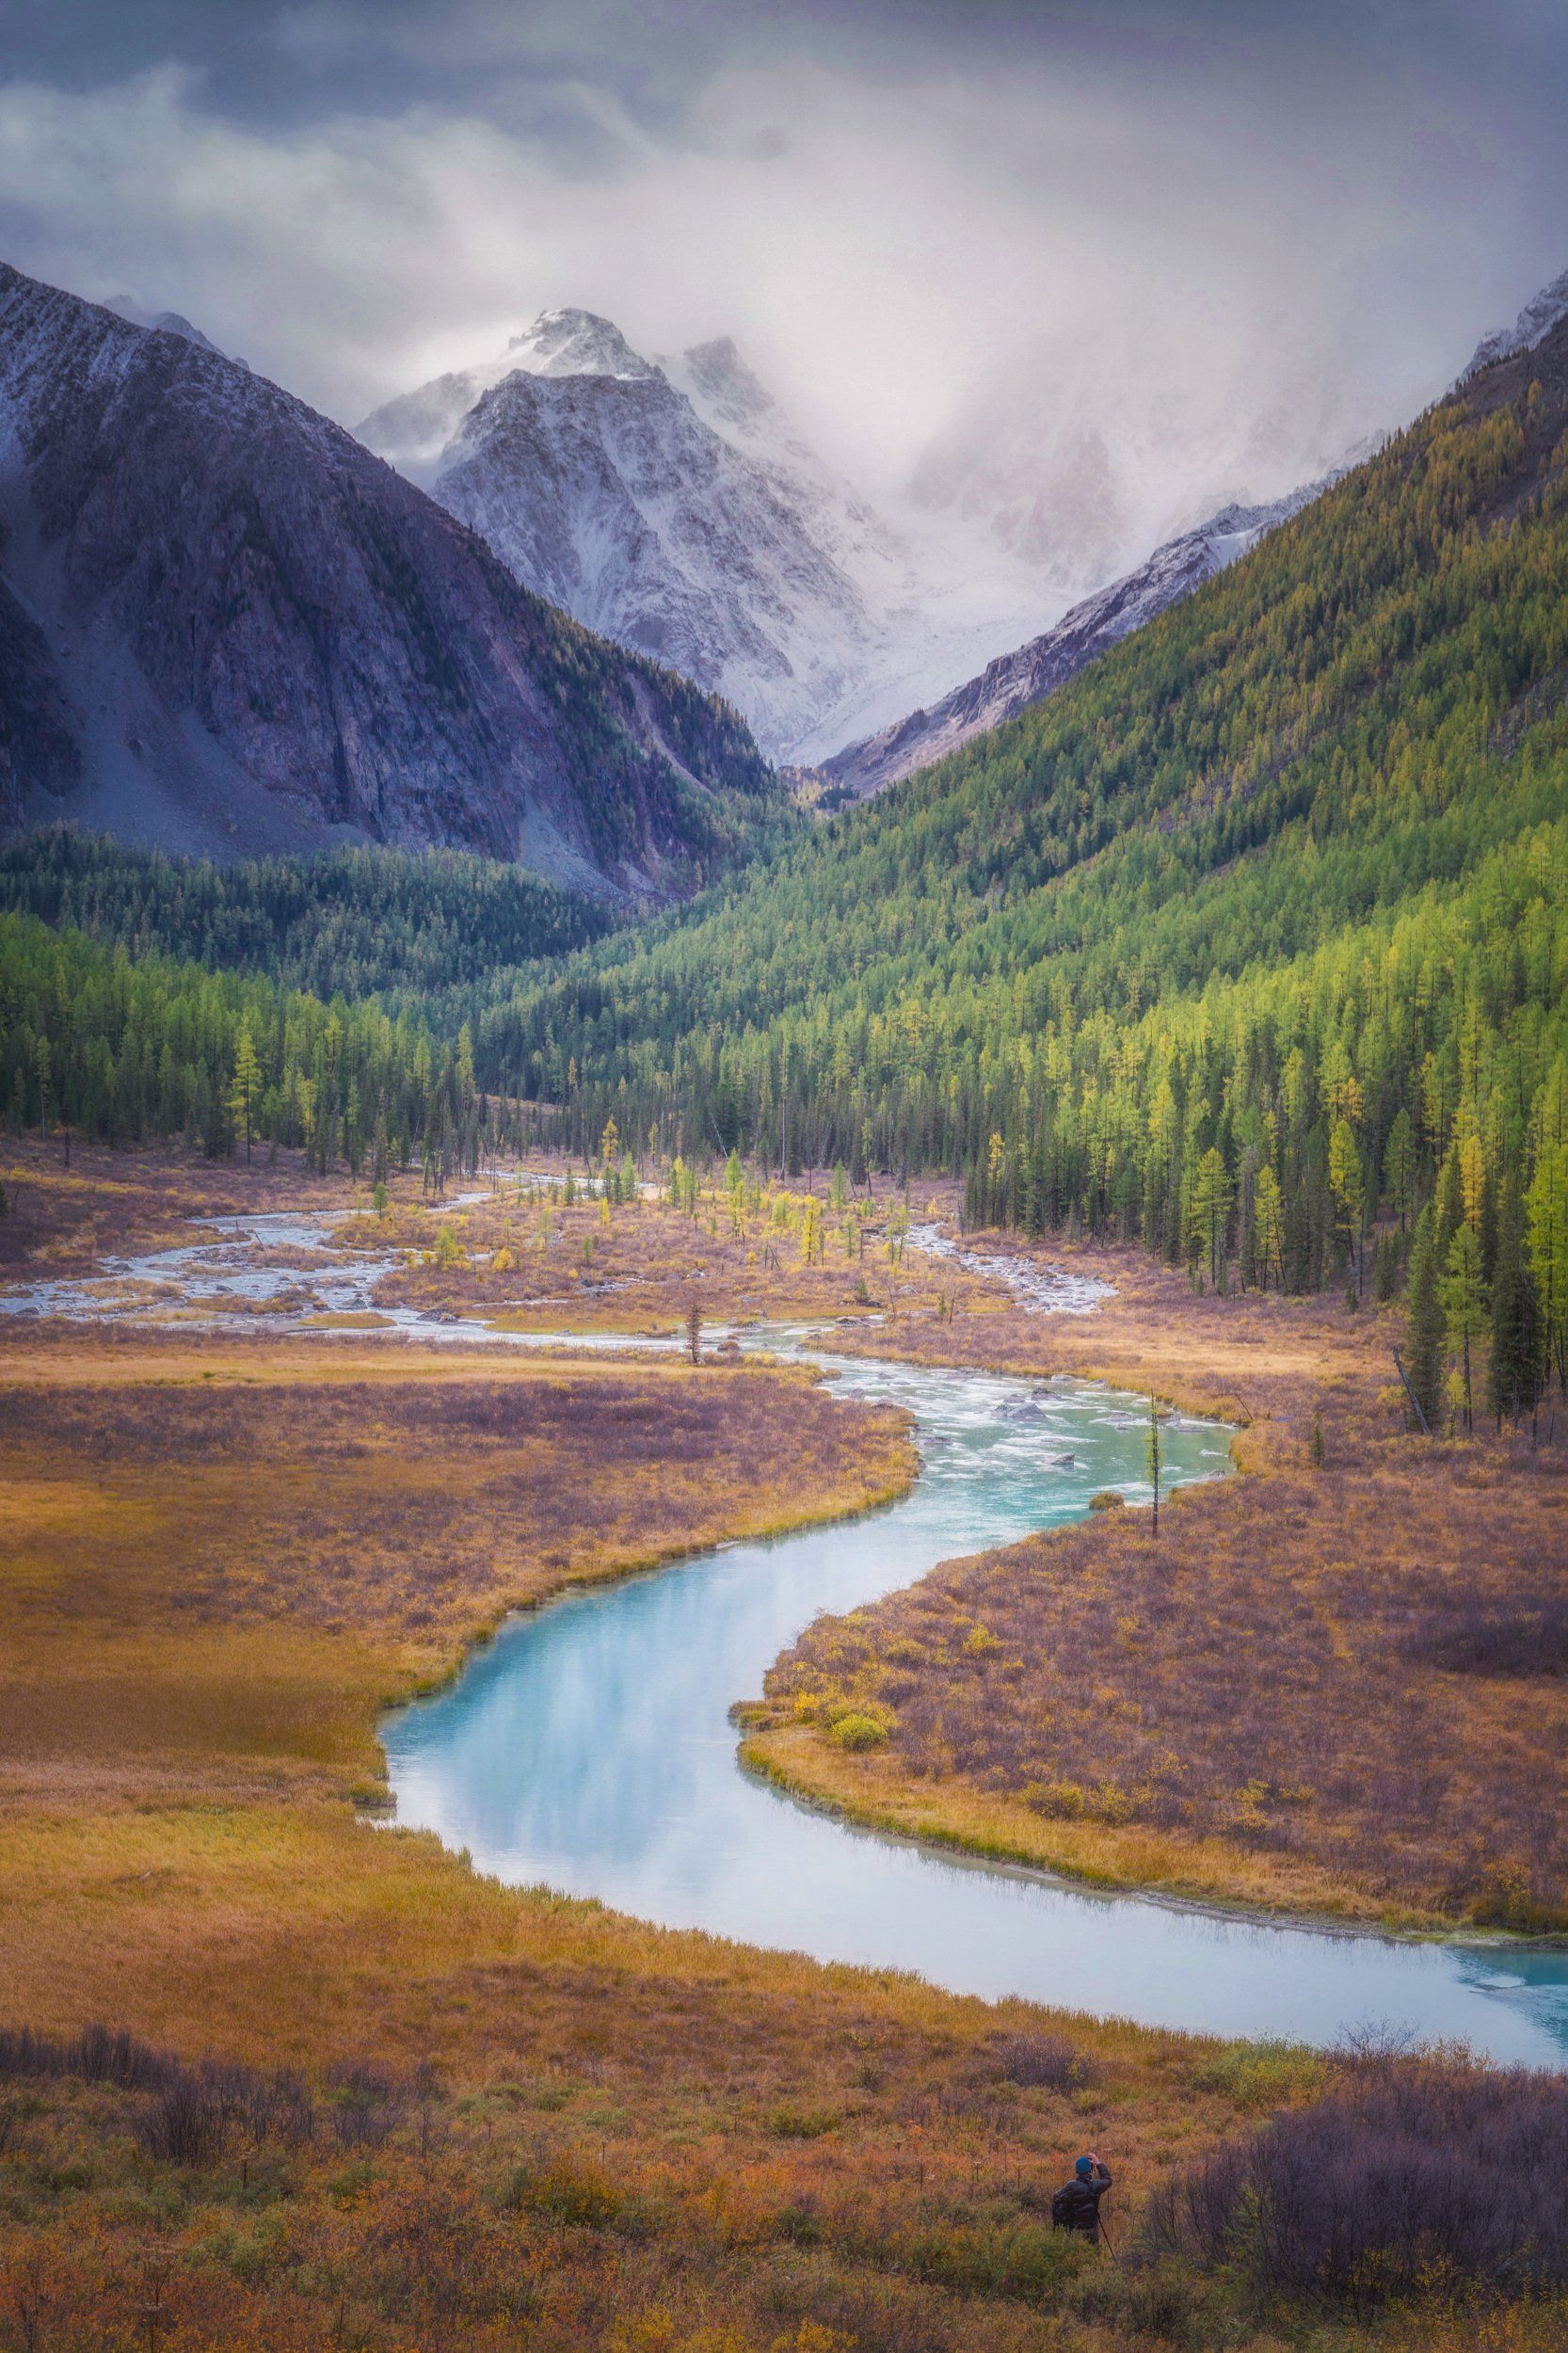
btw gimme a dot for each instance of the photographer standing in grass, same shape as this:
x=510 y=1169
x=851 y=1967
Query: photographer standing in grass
x=1077 y=2205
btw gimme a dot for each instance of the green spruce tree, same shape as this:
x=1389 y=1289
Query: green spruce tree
x=1427 y=1332
x=1464 y=1308
x=1513 y=1375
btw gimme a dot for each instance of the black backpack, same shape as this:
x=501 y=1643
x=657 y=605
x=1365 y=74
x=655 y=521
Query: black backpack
x=1064 y=2209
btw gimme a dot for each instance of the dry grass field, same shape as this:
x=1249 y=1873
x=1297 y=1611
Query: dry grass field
x=371 y=2101
x=221 y=1547
x=1397 y=1745
x=532 y=1262
x=64 y=1215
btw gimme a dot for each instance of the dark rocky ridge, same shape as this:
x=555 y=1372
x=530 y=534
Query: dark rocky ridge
x=38 y=750
x=229 y=627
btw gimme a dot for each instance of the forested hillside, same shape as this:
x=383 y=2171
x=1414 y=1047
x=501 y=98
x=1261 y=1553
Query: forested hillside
x=1233 y=945
x=121 y=1050
x=309 y=1002
x=354 y=921
x=1246 y=944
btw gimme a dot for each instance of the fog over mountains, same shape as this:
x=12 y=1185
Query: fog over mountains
x=1009 y=683
x=672 y=505
x=225 y=625
x=1534 y=323
x=1013 y=680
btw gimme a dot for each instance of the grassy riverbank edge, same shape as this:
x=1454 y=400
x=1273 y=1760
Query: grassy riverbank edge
x=1302 y=1368
x=801 y=1763
x=749 y=1529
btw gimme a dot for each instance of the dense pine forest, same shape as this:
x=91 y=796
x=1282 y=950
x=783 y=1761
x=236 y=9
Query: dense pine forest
x=1247 y=944
x=95 y=1044
x=355 y=922
x=1237 y=945
x=310 y=1003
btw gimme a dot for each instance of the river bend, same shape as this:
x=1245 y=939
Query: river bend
x=589 y=1747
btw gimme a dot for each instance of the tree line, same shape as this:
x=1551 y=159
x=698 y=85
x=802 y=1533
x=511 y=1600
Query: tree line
x=1250 y=945
x=353 y=923
x=1244 y=945
x=119 y=1050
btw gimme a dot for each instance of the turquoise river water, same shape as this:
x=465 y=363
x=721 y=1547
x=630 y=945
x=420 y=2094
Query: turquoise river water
x=589 y=1747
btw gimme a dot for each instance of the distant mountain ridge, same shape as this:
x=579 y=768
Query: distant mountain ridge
x=1009 y=684
x=1534 y=323
x=607 y=493
x=160 y=322
x=226 y=627
x=672 y=505
x=1014 y=681
x=1276 y=891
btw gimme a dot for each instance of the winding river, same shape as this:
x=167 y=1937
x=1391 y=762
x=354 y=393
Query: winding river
x=589 y=1747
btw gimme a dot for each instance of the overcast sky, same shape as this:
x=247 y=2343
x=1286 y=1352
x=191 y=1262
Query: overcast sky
x=1304 y=213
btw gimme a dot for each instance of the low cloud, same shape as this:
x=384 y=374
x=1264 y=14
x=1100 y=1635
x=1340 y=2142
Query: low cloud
x=1229 y=256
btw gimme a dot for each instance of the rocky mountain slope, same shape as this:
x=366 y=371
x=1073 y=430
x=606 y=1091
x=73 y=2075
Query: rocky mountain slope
x=609 y=495
x=167 y=322
x=1534 y=323
x=226 y=626
x=673 y=507
x=413 y=431
x=1007 y=685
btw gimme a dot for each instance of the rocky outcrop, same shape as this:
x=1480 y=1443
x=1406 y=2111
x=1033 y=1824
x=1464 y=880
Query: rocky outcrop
x=600 y=487
x=263 y=636
x=39 y=757
x=164 y=322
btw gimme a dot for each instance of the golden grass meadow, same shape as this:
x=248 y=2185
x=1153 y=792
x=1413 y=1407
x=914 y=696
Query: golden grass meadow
x=349 y=2094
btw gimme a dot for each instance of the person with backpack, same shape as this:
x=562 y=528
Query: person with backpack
x=1077 y=2205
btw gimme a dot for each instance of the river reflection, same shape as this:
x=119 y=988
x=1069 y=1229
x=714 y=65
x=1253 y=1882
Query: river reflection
x=590 y=1748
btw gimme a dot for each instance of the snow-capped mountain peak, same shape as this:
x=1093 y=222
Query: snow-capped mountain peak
x=675 y=506
x=721 y=387
x=576 y=342
x=225 y=628
x=1534 y=322
x=415 y=431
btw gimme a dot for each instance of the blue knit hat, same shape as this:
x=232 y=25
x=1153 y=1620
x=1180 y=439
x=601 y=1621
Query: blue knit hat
x=1083 y=2169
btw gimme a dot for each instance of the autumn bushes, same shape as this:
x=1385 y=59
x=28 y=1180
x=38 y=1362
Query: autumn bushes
x=1408 y=2175
x=1044 y=2059
x=857 y=1729
x=737 y=1250
x=193 y=2115
x=1521 y=1634
x=146 y=2201
x=1358 y=1673
x=150 y=2201
x=417 y=1506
